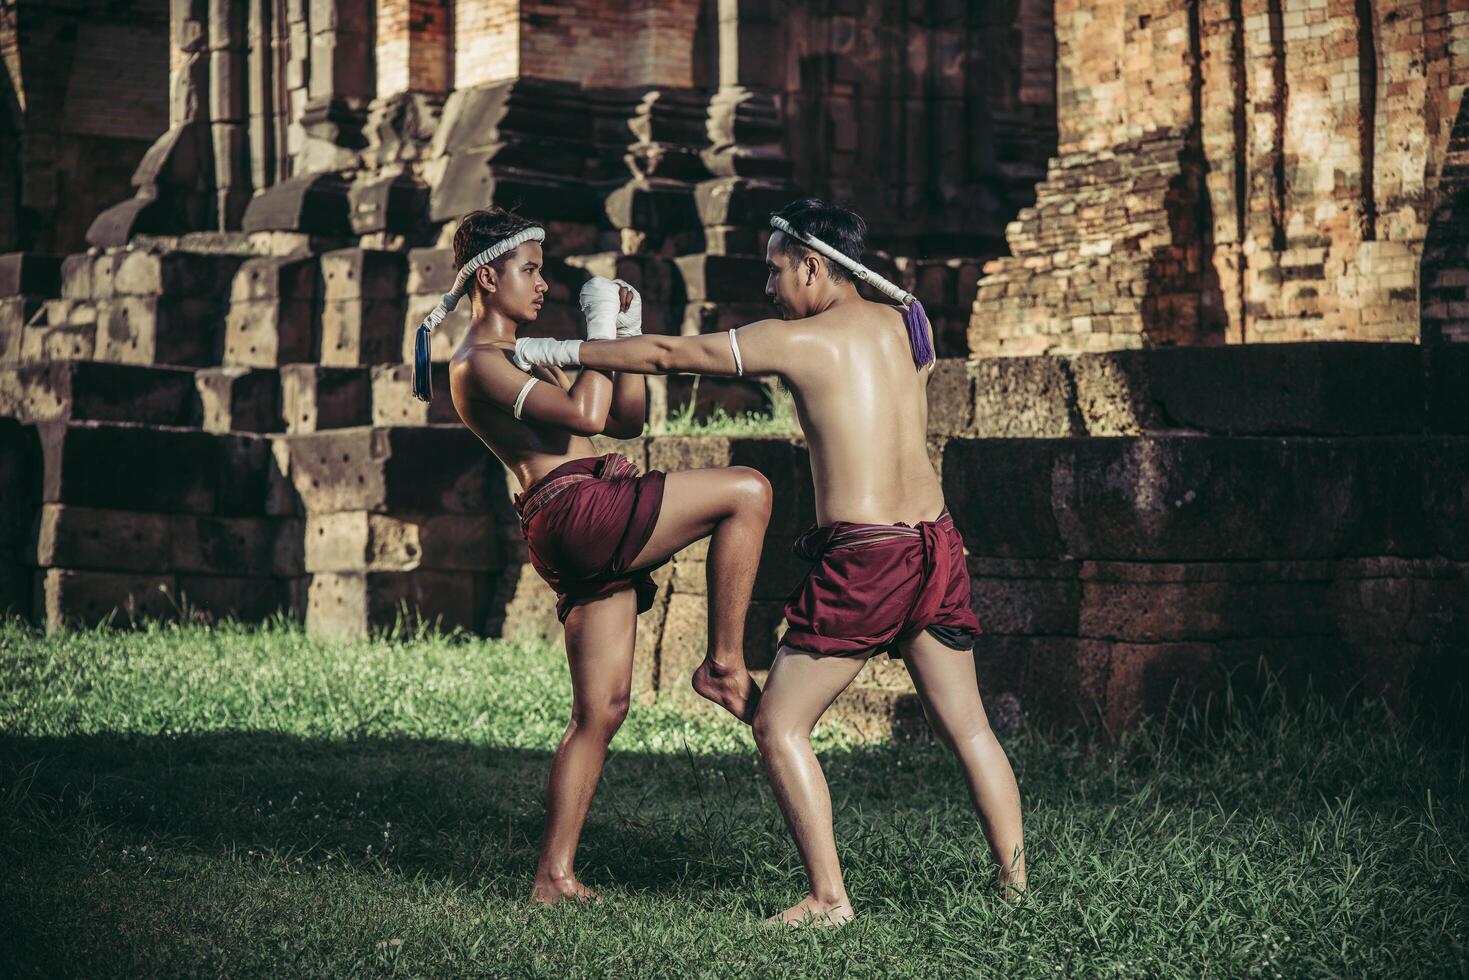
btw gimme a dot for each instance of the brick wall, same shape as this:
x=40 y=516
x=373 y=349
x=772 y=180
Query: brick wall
x=1253 y=171
x=486 y=41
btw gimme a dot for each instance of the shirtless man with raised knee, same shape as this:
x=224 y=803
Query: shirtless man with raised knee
x=889 y=570
x=594 y=525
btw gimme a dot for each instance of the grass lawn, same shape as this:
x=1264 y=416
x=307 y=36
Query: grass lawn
x=253 y=803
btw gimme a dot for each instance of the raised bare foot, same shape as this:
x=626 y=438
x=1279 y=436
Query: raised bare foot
x=734 y=690
x=549 y=891
x=811 y=911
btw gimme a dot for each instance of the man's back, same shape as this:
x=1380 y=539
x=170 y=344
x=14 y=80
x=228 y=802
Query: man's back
x=864 y=408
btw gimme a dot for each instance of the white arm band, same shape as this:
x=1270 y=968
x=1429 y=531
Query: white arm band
x=524 y=391
x=734 y=348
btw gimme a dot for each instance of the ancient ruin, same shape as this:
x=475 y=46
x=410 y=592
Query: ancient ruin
x=1199 y=273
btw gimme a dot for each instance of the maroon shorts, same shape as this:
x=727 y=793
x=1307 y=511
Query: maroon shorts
x=585 y=522
x=874 y=585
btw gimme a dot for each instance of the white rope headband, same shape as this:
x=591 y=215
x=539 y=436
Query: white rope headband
x=894 y=292
x=422 y=385
x=914 y=316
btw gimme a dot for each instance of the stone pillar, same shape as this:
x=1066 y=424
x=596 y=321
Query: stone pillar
x=177 y=173
x=339 y=86
x=228 y=80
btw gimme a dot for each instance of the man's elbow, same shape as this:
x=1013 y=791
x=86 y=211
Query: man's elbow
x=665 y=359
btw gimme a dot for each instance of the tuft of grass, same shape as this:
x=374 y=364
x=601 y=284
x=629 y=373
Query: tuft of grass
x=779 y=421
x=195 y=800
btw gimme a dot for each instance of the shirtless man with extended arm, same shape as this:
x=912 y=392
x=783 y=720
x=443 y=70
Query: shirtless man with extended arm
x=889 y=567
x=594 y=526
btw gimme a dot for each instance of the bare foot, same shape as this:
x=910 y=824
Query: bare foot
x=734 y=690
x=549 y=891
x=811 y=911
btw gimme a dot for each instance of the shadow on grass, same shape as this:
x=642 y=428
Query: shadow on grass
x=455 y=811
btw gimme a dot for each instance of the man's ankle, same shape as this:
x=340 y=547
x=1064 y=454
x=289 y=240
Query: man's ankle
x=724 y=664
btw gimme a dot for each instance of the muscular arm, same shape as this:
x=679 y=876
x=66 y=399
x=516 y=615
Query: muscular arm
x=629 y=412
x=583 y=408
x=767 y=347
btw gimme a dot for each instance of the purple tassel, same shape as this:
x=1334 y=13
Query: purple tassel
x=918 y=337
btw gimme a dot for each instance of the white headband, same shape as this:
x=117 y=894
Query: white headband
x=893 y=292
x=449 y=300
x=423 y=387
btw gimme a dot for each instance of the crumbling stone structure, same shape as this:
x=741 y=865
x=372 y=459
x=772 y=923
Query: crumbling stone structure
x=208 y=412
x=1243 y=172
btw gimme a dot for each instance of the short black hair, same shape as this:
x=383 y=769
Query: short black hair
x=838 y=227
x=481 y=229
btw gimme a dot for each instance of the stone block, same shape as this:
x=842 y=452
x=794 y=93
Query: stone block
x=46 y=343
x=16 y=588
x=785 y=465
x=122 y=467
x=360 y=273
x=357 y=541
x=15 y=313
x=702 y=318
x=315 y=203
x=217 y=598
x=684 y=640
x=721 y=278
x=95 y=390
x=25 y=273
x=160 y=330
x=174 y=274
x=362 y=332
x=1150 y=679
x=524 y=607
x=268 y=332
x=239 y=399
x=106 y=540
x=76 y=276
x=273 y=314
x=445 y=338
x=414 y=471
x=393 y=401
x=703 y=397
x=1181 y=498
x=1007 y=601
x=1024 y=397
x=345 y=605
x=1062 y=680
x=1448 y=388
x=1254 y=389
x=21 y=483
x=318 y=398
x=234 y=546
x=950 y=397
x=72 y=597
x=431 y=271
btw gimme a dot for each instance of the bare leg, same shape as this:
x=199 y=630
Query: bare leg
x=799 y=690
x=949 y=690
x=599 y=648
x=731 y=506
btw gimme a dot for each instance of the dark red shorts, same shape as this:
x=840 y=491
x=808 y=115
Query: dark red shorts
x=874 y=585
x=585 y=522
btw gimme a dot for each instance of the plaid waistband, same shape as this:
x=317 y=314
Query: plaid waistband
x=863 y=535
x=609 y=467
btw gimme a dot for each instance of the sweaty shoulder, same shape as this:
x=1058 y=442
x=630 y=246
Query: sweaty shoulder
x=487 y=373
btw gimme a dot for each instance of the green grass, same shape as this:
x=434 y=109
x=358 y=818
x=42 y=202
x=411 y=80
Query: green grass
x=253 y=803
x=779 y=421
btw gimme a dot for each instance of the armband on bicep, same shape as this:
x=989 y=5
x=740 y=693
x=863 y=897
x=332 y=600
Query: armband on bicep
x=524 y=392
x=734 y=348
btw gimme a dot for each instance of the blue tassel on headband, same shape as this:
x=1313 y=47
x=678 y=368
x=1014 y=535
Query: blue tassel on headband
x=918 y=333
x=423 y=386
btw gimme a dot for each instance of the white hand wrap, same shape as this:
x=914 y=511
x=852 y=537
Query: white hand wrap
x=599 y=304
x=630 y=324
x=530 y=351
